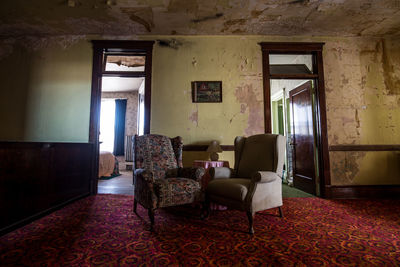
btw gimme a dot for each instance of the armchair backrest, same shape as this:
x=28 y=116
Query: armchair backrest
x=156 y=153
x=262 y=152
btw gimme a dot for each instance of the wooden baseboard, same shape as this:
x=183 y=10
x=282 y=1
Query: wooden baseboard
x=362 y=191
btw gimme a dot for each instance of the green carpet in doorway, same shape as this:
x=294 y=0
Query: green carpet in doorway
x=289 y=191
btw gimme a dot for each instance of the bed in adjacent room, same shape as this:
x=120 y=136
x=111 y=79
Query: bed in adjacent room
x=108 y=165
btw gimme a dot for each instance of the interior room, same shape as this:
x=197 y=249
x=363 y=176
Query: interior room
x=212 y=133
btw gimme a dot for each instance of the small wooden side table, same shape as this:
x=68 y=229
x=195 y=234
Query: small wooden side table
x=207 y=164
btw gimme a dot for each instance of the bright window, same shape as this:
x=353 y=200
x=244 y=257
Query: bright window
x=107 y=122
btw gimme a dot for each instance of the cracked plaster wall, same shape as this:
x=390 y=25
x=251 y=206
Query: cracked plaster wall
x=52 y=92
x=363 y=107
x=234 y=61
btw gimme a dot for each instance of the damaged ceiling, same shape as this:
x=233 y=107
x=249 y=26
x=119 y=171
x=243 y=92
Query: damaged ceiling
x=200 y=17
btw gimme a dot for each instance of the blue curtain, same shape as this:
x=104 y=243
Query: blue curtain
x=119 y=128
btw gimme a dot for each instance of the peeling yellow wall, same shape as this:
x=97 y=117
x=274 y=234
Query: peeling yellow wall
x=362 y=83
x=234 y=61
x=363 y=107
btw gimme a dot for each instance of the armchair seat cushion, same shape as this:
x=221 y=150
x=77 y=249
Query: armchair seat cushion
x=176 y=191
x=232 y=188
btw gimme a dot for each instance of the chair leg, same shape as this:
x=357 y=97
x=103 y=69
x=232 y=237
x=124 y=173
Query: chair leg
x=151 y=216
x=206 y=208
x=250 y=216
x=134 y=206
x=280 y=212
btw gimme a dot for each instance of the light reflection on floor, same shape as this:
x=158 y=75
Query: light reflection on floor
x=121 y=185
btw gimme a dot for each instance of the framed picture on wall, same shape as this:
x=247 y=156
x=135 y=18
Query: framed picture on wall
x=207 y=92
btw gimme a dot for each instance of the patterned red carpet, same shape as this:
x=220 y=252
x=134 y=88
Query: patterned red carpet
x=102 y=230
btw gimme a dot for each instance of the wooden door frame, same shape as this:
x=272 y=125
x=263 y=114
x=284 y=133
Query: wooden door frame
x=314 y=49
x=99 y=47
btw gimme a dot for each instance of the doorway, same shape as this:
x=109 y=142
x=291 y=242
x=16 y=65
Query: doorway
x=120 y=108
x=294 y=106
x=292 y=115
x=119 y=122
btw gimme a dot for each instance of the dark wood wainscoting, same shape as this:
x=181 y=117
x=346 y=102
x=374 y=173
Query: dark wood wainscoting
x=36 y=178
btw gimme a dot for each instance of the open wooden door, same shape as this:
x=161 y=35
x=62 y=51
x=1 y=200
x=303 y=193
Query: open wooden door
x=303 y=138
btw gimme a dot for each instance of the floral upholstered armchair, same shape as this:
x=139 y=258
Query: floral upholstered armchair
x=159 y=177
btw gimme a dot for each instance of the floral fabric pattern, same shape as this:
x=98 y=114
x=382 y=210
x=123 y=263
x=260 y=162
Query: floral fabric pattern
x=176 y=191
x=159 y=179
x=154 y=153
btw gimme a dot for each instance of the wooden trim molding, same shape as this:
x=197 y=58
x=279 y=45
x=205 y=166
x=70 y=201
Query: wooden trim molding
x=110 y=46
x=204 y=148
x=292 y=47
x=124 y=74
x=122 y=46
x=322 y=124
x=195 y=147
x=362 y=191
x=293 y=76
x=266 y=91
x=364 y=148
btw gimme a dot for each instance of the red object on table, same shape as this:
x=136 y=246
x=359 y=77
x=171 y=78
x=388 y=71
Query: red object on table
x=207 y=164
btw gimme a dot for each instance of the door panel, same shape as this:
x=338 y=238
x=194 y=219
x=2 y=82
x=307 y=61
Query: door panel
x=303 y=138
